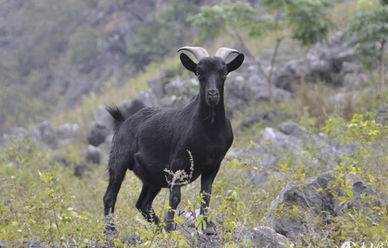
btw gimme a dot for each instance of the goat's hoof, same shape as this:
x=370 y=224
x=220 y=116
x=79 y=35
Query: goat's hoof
x=110 y=232
x=170 y=226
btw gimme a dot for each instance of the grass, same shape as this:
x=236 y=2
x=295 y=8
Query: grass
x=42 y=200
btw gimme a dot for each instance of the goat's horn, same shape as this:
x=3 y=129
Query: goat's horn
x=198 y=52
x=224 y=52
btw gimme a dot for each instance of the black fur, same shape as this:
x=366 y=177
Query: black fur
x=155 y=139
x=118 y=117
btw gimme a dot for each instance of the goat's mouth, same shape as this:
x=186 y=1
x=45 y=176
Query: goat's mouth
x=212 y=100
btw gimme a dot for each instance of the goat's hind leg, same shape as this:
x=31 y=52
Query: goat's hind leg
x=116 y=176
x=144 y=203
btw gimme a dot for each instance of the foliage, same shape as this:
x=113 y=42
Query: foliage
x=368 y=163
x=362 y=128
x=308 y=20
x=229 y=17
x=164 y=34
x=37 y=204
x=371 y=31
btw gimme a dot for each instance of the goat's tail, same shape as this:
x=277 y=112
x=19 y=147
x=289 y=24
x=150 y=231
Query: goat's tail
x=117 y=115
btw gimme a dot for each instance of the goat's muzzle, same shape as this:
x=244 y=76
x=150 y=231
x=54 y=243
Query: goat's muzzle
x=212 y=97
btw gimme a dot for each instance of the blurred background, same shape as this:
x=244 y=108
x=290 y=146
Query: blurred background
x=54 y=55
x=316 y=67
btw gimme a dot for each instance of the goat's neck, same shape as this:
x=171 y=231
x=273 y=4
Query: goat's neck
x=212 y=116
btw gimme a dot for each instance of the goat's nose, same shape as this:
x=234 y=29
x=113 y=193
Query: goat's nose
x=212 y=92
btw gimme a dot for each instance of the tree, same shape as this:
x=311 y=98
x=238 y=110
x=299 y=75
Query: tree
x=153 y=42
x=279 y=25
x=307 y=19
x=309 y=22
x=232 y=18
x=370 y=27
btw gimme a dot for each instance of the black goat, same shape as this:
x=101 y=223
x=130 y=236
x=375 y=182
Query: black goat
x=157 y=142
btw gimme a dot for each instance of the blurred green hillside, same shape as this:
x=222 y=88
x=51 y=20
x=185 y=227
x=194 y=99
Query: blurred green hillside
x=54 y=53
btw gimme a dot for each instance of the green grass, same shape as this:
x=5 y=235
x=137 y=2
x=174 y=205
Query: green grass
x=42 y=200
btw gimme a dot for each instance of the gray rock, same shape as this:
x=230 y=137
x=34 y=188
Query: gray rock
x=291 y=127
x=148 y=98
x=15 y=133
x=79 y=170
x=265 y=237
x=180 y=92
x=287 y=75
x=100 y=128
x=61 y=160
x=297 y=142
x=46 y=134
x=242 y=91
x=98 y=133
x=68 y=131
x=93 y=155
x=291 y=211
x=290 y=143
x=329 y=62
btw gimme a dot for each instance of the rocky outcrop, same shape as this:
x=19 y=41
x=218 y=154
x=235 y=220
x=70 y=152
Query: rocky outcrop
x=101 y=129
x=290 y=142
x=295 y=210
x=44 y=134
x=264 y=236
x=93 y=155
x=328 y=62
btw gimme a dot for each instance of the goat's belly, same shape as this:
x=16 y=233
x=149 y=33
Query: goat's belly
x=178 y=171
x=149 y=170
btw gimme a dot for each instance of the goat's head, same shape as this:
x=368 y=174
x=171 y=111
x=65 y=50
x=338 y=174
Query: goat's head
x=211 y=71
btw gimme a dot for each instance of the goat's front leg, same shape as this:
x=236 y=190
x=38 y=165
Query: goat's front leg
x=206 y=190
x=175 y=198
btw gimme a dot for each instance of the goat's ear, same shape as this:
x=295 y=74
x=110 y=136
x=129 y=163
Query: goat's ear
x=235 y=63
x=188 y=63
